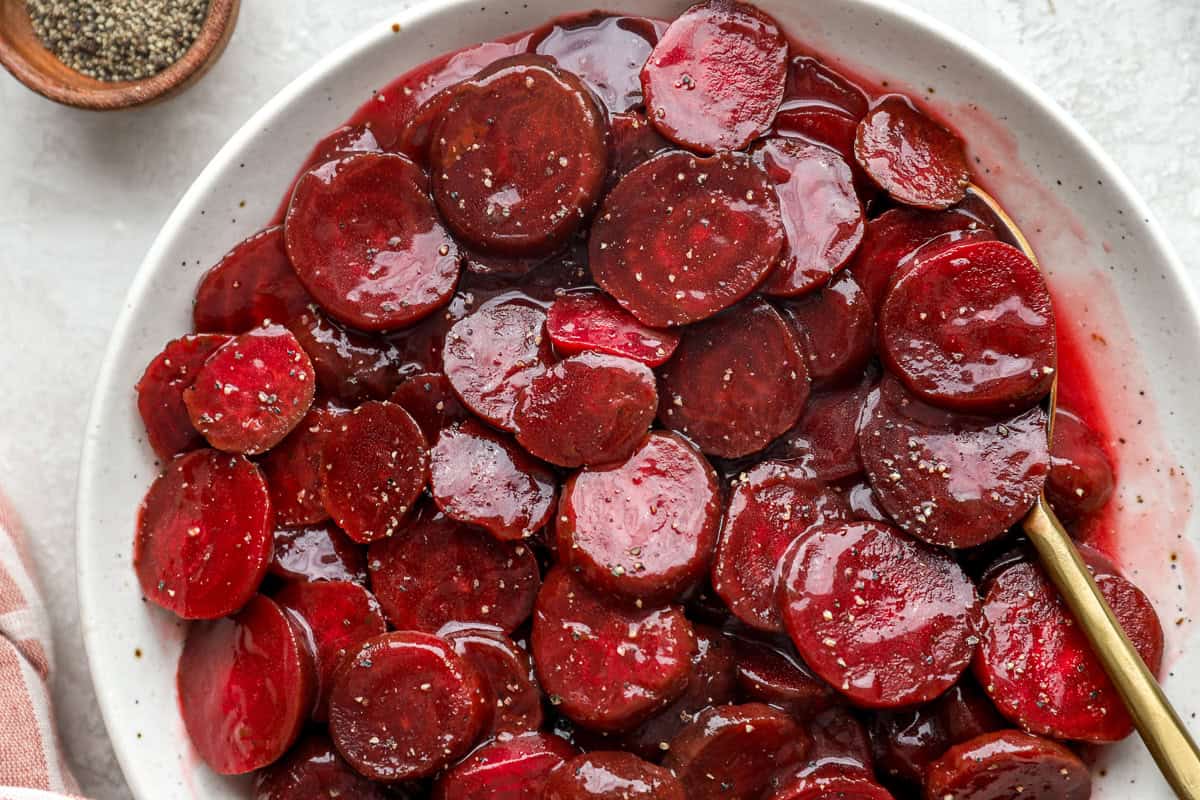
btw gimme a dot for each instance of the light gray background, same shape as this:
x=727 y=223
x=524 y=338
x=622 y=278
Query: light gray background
x=82 y=196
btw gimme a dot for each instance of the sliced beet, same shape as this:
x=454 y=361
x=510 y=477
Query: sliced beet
x=911 y=157
x=950 y=479
x=736 y=382
x=592 y=321
x=888 y=621
x=507 y=671
x=293 y=471
x=318 y=553
x=436 y=570
x=644 y=528
x=864 y=505
x=1006 y=764
x=681 y=237
x=404 y=705
x=376 y=464
x=839 y=738
x=607 y=666
x=811 y=83
x=823 y=218
x=351 y=367
x=246 y=685
x=204 y=535
x=366 y=241
x=481 y=477
x=313 y=770
x=824 y=440
x=416 y=136
x=831 y=782
x=716 y=77
x=254 y=283
x=770 y=506
x=1081 y=475
x=428 y=397
x=633 y=141
x=775 y=675
x=612 y=776
x=607 y=51
x=829 y=127
x=160 y=393
x=837 y=327
x=515 y=768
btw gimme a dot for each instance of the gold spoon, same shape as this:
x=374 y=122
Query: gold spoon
x=1159 y=725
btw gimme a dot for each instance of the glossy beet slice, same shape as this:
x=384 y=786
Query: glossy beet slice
x=864 y=505
x=822 y=216
x=493 y=353
x=313 y=770
x=1007 y=764
x=428 y=397
x=252 y=391
x=716 y=77
x=824 y=440
x=481 y=477
x=160 y=393
x=1038 y=667
x=515 y=768
x=520 y=156
x=1081 y=475
x=203 y=539
x=254 y=283
x=633 y=141
x=246 y=685
x=644 y=528
x=911 y=157
x=837 y=327
x=318 y=553
x=775 y=675
x=404 y=705
x=591 y=408
x=680 y=237
x=606 y=666
x=376 y=464
x=612 y=775
x=507 y=671
x=771 y=505
x=351 y=367
x=813 y=84
x=886 y=620
x=366 y=241
x=293 y=471
x=831 y=782
x=592 y=321
x=436 y=570
x=950 y=479
x=607 y=51
x=736 y=382
x=732 y=751
x=839 y=738
x=828 y=127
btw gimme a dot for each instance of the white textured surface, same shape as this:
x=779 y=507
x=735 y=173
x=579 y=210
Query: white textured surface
x=81 y=197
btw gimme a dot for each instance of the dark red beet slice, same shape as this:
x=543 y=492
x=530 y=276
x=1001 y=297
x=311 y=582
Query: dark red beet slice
x=837 y=326
x=313 y=770
x=507 y=671
x=822 y=216
x=1007 y=764
x=428 y=397
x=950 y=479
x=776 y=676
x=736 y=382
x=481 y=477
x=204 y=535
x=1081 y=475
x=1037 y=666
x=520 y=156
x=376 y=464
x=824 y=440
x=160 y=393
x=592 y=408
x=246 y=686
x=436 y=570
x=831 y=128
x=716 y=77
x=404 y=705
x=730 y=752
x=831 y=782
x=813 y=84
x=680 y=237
x=864 y=505
x=589 y=320
x=771 y=505
x=318 y=552
x=612 y=776
x=416 y=137
x=607 y=51
x=644 y=528
x=605 y=666
x=839 y=738
x=252 y=391
x=254 y=283
x=885 y=619
x=493 y=353
x=350 y=366
x=911 y=157
x=293 y=471
x=513 y=768
x=633 y=141
x=338 y=616
x=366 y=241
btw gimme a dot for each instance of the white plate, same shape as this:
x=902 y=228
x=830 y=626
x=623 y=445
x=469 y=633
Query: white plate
x=1091 y=229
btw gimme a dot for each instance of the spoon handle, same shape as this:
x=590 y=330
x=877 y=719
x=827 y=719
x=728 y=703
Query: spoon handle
x=1160 y=727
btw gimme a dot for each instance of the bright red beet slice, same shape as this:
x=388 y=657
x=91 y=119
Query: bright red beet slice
x=204 y=535
x=506 y=769
x=246 y=686
x=831 y=781
x=352 y=367
x=589 y=320
x=837 y=327
x=376 y=464
x=716 y=77
x=886 y=620
x=481 y=477
x=254 y=283
x=313 y=770
x=950 y=479
x=404 y=705
x=607 y=51
x=644 y=528
x=911 y=157
x=520 y=156
x=318 y=553
x=813 y=84
x=160 y=393
x=771 y=505
x=736 y=382
x=606 y=666
x=680 y=237
x=612 y=776
x=632 y=142
x=824 y=440
x=1081 y=476
x=436 y=570
x=507 y=671
x=366 y=241
x=775 y=675
x=428 y=397
x=293 y=471
x=1007 y=764
x=591 y=408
